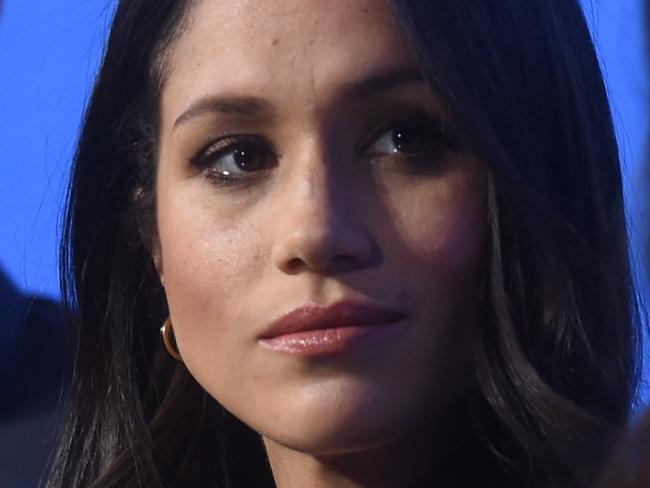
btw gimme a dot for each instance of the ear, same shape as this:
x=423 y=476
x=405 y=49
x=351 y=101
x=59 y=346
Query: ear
x=156 y=255
x=146 y=228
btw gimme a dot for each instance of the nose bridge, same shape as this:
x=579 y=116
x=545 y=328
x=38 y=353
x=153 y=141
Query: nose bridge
x=316 y=186
x=315 y=189
x=320 y=226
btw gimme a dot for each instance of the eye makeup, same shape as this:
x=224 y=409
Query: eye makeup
x=409 y=140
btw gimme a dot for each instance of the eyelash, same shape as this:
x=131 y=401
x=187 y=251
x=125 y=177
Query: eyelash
x=216 y=150
x=429 y=130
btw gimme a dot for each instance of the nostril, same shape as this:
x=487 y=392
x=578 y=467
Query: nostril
x=294 y=265
x=326 y=246
x=325 y=264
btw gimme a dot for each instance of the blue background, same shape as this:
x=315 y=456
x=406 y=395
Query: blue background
x=49 y=54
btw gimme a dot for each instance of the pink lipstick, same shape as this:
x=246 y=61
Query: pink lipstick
x=345 y=326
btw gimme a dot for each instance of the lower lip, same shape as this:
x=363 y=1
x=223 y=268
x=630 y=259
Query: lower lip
x=328 y=342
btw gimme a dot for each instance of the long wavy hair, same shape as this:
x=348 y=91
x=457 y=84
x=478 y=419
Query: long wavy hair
x=556 y=360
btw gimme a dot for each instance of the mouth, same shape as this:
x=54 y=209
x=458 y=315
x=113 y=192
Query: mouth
x=343 y=327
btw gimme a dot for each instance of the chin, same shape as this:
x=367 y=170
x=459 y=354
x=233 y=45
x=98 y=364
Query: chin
x=338 y=425
x=325 y=442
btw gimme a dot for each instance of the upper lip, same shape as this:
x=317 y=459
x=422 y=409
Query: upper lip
x=339 y=314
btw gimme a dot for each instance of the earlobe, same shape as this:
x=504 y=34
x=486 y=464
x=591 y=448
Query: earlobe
x=156 y=256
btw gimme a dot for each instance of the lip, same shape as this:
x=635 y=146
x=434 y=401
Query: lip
x=344 y=326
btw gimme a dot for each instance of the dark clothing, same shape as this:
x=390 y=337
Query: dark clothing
x=32 y=375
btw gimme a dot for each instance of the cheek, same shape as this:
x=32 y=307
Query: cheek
x=439 y=235
x=441 y=225
x=208 y=263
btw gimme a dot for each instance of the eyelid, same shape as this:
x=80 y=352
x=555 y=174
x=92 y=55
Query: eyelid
x=207 y=152
x=433 y=123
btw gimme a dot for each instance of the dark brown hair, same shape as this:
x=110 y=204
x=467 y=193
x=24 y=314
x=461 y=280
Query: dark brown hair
x=557 y=357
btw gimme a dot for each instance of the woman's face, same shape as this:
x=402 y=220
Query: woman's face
x=305 y=166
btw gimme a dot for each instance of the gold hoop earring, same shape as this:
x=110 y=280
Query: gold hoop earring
x=169 y=340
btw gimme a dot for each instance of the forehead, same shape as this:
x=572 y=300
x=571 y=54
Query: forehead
x=282 y=46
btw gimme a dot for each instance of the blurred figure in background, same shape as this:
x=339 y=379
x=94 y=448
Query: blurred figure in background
x=630 y=465
x=32 y=374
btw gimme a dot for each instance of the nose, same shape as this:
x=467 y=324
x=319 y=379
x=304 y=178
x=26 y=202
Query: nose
x=322 y=227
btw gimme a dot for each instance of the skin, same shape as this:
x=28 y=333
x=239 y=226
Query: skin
x=322 y=222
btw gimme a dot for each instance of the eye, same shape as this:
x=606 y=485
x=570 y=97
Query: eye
x=414 y=137
x=235 y=157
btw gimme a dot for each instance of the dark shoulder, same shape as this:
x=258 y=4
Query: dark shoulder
x=35 y=370
x=32 y=377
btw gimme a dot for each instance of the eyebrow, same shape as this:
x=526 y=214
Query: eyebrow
x=251 y=106
x=378 y=82
x=247 y=106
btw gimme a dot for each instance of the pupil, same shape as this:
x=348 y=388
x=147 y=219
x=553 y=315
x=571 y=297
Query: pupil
x=407 y=140
x=245 y=159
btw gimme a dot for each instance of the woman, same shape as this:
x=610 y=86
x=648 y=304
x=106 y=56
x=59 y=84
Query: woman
x=386 y=243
